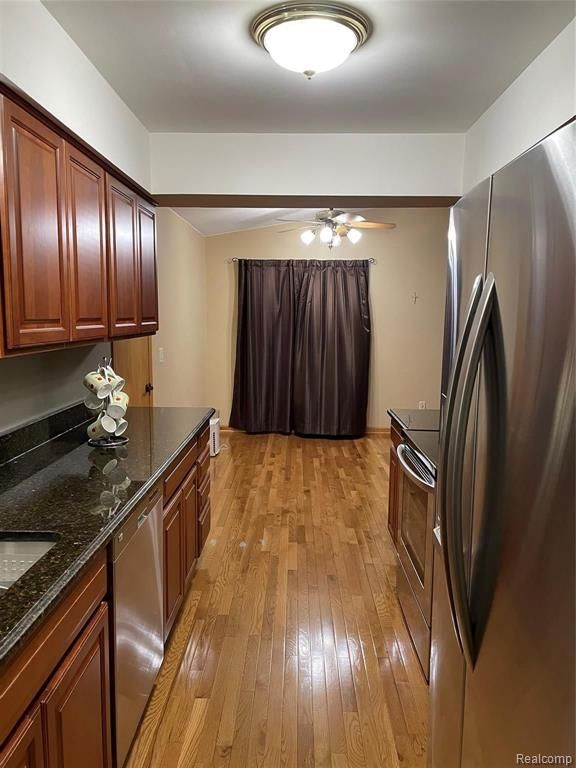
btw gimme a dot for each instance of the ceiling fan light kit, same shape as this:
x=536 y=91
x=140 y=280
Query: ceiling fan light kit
x=333 y=226
x=310 y=37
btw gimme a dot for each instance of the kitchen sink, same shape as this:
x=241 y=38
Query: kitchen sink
x=19 y=551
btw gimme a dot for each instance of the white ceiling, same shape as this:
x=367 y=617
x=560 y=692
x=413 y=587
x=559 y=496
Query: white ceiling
x=430 y=66
x=219 y=221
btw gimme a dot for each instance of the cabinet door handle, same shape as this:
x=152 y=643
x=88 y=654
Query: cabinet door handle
x=149 y=387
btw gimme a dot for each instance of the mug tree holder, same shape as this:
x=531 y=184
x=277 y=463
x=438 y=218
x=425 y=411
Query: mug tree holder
x=109 y=440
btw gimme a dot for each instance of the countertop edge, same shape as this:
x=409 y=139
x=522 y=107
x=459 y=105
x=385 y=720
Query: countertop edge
x=21 y=632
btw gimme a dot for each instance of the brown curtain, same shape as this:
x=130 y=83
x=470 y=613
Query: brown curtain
x=303 y=347
x=262 y=399
x=331 y=348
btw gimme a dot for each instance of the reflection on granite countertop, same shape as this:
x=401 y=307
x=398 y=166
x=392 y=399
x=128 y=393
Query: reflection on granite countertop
x=428 y=443
x=416 y=418
x=60 y=487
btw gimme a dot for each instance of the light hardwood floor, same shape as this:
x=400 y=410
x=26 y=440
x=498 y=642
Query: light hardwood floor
x=291 y=649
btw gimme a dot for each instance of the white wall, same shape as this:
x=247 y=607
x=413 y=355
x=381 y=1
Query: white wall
x=541 y=99
x=183 y=309
x=38 y=56
x=307 y=164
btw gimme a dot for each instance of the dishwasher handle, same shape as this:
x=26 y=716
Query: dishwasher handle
x=142 y=517
x=135 y=521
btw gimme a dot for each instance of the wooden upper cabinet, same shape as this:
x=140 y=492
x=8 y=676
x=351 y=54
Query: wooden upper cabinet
x=25 y=748
x=34 y=231
x=148 y=279
x=123 y=261
x=76 y=703
x=86 y=198
x=78 y=246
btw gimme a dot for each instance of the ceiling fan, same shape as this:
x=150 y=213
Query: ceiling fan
x=333 y=225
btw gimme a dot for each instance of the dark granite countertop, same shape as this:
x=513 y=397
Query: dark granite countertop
x=60 y=487
x=413 y=418
x=428 y=443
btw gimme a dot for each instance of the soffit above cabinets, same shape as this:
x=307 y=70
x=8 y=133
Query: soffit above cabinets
x=430 y=66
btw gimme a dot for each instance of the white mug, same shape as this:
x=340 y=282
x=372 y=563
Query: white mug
x=116 y=381
x=97 y=383
x=104 y=426
x=121 y=427
x=118 y=404
x=93 y=402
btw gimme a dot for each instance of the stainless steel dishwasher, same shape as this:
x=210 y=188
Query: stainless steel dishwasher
x=138 y=616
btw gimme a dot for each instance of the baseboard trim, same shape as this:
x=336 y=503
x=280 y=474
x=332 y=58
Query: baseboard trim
x=369 y=430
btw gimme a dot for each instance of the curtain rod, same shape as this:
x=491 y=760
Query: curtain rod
x=371 y=260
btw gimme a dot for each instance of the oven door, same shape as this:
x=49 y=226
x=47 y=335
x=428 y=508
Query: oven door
x=416 y=523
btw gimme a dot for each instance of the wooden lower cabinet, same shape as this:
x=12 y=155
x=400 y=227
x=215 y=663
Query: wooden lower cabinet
x=25 y=749
x=204 y=526
x=173 y=534
x=186 y=521
x=69 y=726
x=190 y=512
x=75 y=705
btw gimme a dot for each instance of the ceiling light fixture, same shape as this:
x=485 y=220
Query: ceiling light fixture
x=310 y=37
x=354 y=235
x=308 y=236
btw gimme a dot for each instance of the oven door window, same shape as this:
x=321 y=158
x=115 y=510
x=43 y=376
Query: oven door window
x=414 y=521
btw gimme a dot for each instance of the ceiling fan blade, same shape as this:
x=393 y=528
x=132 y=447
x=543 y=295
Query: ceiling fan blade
x=349 y=218
x=372 y=225
x=292 y=229
x=299 y=221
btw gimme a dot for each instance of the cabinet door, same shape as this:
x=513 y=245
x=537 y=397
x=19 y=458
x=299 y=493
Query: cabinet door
x=25 y=749
x=86 y=246
x=76 y=703
x=204 y=525
x=148 y=280
x=34 y=235
x=173 y=561
x=190 y=510
x=393 y=495
x=123 y=261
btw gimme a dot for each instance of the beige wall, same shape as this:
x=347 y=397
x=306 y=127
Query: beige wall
x=182 y=296
x=407 y=336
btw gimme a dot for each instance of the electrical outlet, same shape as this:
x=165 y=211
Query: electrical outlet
x=161 y=354
x=422 y=404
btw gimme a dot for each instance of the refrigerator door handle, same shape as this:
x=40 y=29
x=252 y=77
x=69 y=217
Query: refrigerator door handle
x=486 y=325
x=445 y=467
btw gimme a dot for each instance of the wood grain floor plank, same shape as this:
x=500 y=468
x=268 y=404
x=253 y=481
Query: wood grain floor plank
x=290 y=650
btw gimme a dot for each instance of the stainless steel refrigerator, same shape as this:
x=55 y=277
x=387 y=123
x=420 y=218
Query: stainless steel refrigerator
x=502 y=673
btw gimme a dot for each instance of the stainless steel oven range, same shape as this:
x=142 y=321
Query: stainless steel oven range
x=416 y=505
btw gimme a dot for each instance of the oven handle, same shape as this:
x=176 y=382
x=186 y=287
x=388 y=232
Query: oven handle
x=422 y=483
